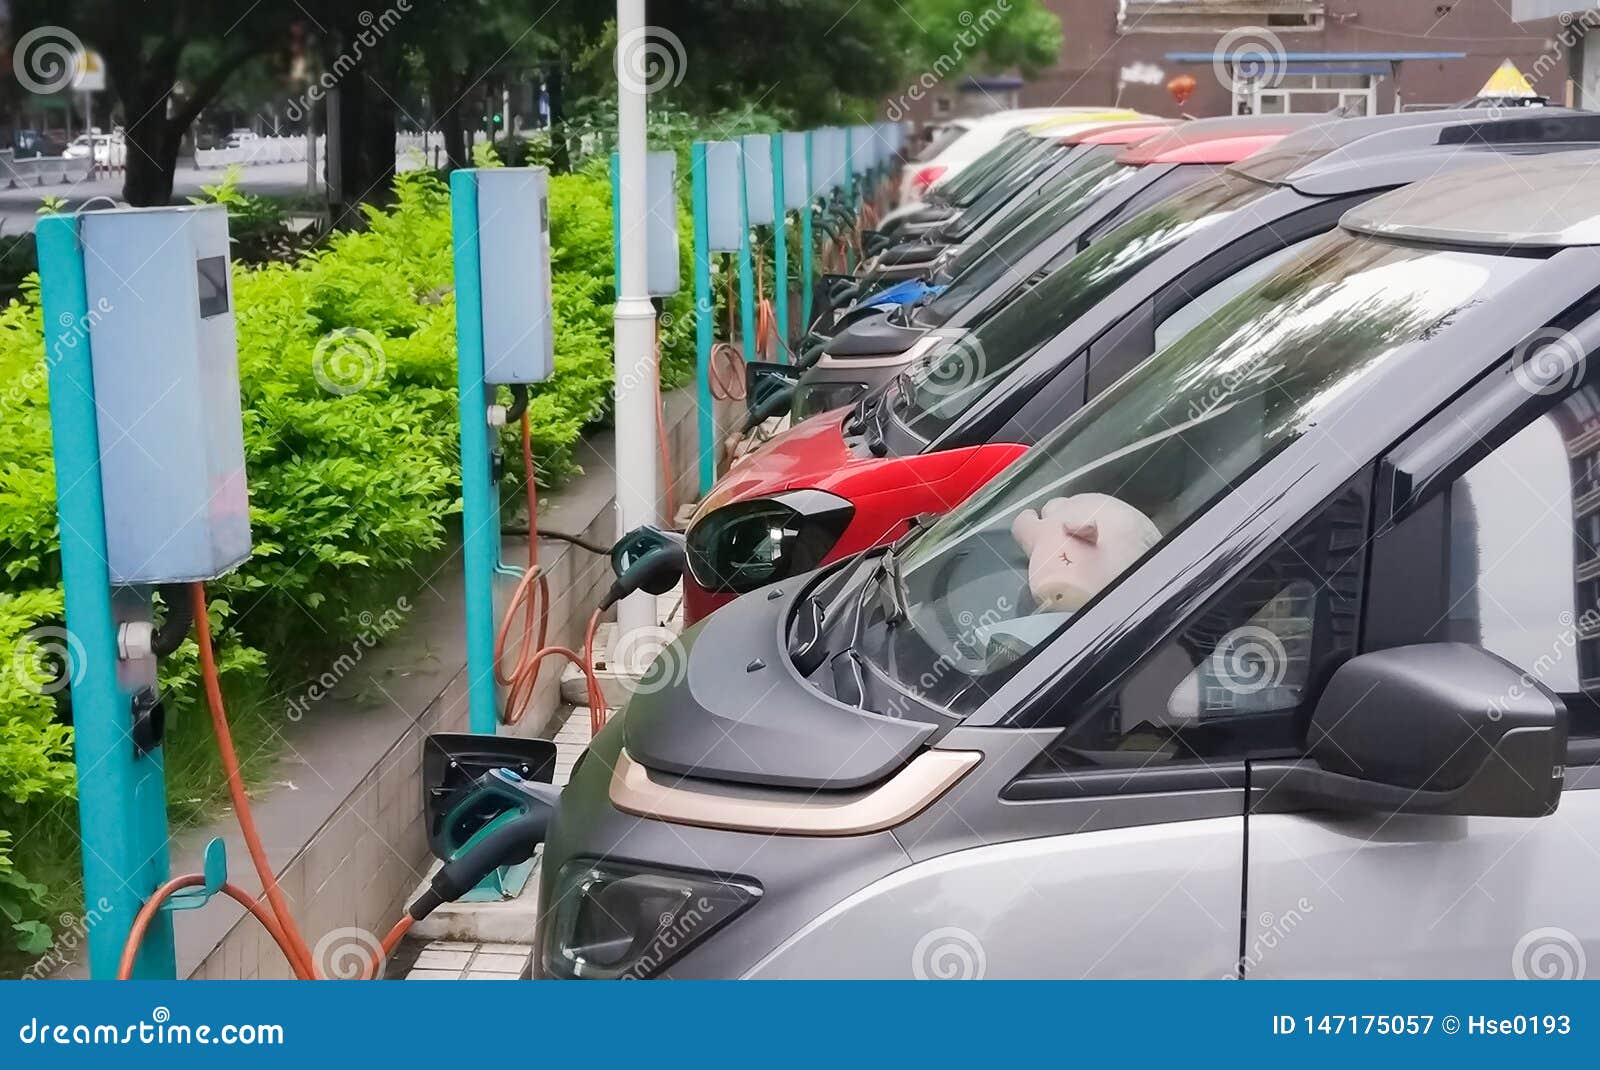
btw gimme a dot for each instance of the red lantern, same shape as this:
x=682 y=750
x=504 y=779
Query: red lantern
x=1182 y=88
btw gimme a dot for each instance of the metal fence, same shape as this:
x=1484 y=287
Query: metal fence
x=42 y=170
x=270 y=150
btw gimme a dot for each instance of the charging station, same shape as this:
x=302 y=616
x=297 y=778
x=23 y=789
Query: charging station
x=716 y=180
x=661 y=222
x=795 y=150
x=150 y=490
x=500 y=227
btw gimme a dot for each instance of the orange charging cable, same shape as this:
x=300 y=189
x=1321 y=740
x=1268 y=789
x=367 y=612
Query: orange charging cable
x=530 y=601
x=274 y=914
x=725 y=375
x=766 y=316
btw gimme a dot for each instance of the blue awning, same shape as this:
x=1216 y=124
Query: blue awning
x=999 y=81
x=1318 y=57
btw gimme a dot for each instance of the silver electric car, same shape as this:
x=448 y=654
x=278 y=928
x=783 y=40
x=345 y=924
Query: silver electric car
x=1323 y=703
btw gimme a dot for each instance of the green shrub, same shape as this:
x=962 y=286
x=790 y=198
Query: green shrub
x=258 y=226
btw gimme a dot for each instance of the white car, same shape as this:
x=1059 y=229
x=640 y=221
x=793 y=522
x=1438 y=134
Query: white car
x=240 y=138
x=102 y=147
x=946 y=155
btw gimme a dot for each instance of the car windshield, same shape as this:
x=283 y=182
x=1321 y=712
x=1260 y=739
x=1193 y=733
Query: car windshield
x=1020 y=148
x=977 y=267
x=1001 y=194
x=949 y=380
x=1153 y=452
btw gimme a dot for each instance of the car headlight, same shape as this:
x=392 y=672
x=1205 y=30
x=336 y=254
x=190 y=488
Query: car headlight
x=615 y=920
x=747 y=545
x=812 y=398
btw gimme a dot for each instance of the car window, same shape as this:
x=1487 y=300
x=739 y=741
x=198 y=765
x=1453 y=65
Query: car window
x=948 y=382
x=1003 y=193
x=1206 y=304
x=1238 y=679
x=1524 y=550
x=977 y=268
x=985 y=586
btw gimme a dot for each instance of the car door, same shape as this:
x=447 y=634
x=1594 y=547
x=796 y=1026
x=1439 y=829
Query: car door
x=1489 y=534
x=1119 y=850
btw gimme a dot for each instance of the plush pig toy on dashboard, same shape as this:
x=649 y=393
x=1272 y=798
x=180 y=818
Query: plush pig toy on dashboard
x=1077 y=545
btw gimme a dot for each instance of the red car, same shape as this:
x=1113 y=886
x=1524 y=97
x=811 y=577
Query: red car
x=823 y=490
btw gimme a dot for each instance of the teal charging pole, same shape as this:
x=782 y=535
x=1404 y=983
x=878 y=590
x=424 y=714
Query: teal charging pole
x=747 y=282
x=480 y=526
x=780 y=251
x=122 y=806
x=704 y=315
x=807 y=245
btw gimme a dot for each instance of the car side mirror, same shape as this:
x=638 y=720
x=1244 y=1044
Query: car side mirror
x=1436 y=728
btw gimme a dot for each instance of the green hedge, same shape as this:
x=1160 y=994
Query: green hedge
x=351 y=488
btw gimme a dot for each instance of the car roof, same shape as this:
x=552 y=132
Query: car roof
x=1550 y=201
x=1123 y=133
x=1021 y=116
x=1219 y=141
x=1057 y=125
x=1369 y=154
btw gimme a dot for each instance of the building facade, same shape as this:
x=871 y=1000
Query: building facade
x=1571 y=24
x=1238 y=56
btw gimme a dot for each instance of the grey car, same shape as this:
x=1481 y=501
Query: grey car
x=1337 y=718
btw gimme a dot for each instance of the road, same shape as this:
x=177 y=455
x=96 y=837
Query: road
x=19 y=207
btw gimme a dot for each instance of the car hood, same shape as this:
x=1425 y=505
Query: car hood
x=889 y=491
x=724 y=703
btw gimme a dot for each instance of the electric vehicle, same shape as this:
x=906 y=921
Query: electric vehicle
x=1350 y=689
x=1021 y=161
x=850 y=479
x=939 y=170
x=869 y=344
x=898 y=275
x=858 y=355
x=1087 y=144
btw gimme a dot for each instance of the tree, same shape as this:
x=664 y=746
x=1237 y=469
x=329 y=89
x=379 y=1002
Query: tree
x=826 y=59
x=147 y=47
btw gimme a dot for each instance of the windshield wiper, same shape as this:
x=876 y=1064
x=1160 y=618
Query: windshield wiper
x=889 y=568
x=897 y=595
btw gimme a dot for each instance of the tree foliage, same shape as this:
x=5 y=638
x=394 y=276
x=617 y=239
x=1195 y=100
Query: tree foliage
x=442 y=63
